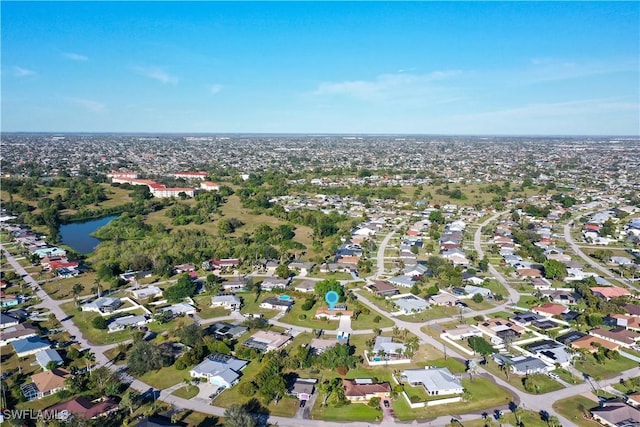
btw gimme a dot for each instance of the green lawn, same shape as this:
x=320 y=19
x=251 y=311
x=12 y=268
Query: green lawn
x=206 y=311
x=294 y=315
x=484 y=394
x=540 y=383
x=83 y=319
x=527 y=301
x=61 y=288
x=187 y=392
x=612 y=366
x=165 y=377
x=349 y=412
x=338 y=275
x=568 y=376
x=528 y=418
x=250 y=305
x=575 y=409
x=434 y=312
x=365 y=321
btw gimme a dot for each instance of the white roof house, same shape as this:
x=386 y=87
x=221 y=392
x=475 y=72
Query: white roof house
x=148 y=292
x=230 y=302
x=410 y=304
x=473 y=290
x=102 y=305
x=436 y=381
x=219 y=369
x=49 y=355
x=404 y=281
x=180 y=308
x=121 y=323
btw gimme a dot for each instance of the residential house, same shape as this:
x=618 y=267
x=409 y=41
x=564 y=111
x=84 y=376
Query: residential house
x=522 y=365
x=44 y=357
x=410 y=304
x=306 y=286
x=81 y=407
x=102 y=305
x=610 y=292
x=525 y=319
x=31 y=345
x=529 y=272
x=273 y=283
x=209 y=186
x=436 y=381
x=619 y=336
x=274 y=303
x=184 y=268
x=45 y=383
x=591 y=344
x=233 y=286
x=219 y=369
x=267 y=341
x=180 y=309
x=336 y=268
x=461 y=332
x=303 y=388
x=336 y=314
x=551 y=352
x=229 y=302
x=302 y=267
x=363 y=390
x=7 y=321
x=443 y=299
x=415 y=270
x=146 y=293
x=549 y=309
x=319 y=345
x=131 y=321
x=632 y=309
x=17 y=332
x=616 y=414
x=8 y=300
x=562 y=297
x=475 y=290
x=402 y=281
x=628 y=322
x=501 y=330
x=382 y=289
x=227 y=330
x=224 y=263
x=384 y=349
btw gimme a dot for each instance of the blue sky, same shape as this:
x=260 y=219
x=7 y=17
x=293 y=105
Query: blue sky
x=330 y=67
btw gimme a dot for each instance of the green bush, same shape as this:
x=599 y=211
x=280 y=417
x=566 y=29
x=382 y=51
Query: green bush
x=247 y=389
x=302 y=316
x=99 y=323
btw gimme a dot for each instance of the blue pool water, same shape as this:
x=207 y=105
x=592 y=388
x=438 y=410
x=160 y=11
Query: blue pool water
x=285 y=298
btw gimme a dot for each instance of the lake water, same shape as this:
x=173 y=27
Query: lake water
x=78 y=234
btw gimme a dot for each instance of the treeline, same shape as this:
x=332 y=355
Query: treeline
x=206 y=205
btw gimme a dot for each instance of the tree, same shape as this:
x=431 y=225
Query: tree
x=129 y=401
x=76 y=290
x=237 y=416
x=282 y=271
x=184 y=287
x=90 y=358
x=144 y=357
x=374 y=402
x=51 y=365
x=322 y=287
x=190 y=335
x=554 y=270
x=483 y=264
x=477 y=298
x=99 y=323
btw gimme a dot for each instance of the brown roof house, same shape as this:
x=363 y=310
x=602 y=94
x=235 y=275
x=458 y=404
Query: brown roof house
x=363 y=390
x=82 y=407
x=45 y=383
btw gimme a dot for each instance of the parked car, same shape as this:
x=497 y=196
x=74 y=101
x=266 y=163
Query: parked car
x=302 y=403
x=386 y=403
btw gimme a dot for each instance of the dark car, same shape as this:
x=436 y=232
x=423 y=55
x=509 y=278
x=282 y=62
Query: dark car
x=302 y=403
x=386 y=403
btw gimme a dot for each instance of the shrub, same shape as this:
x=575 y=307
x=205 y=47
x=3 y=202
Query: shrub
x=247 y=389
x=308 y=304
x=302 y=316
x=377 y=319
x=414 y=399
x=99 y=323
x=374 y=402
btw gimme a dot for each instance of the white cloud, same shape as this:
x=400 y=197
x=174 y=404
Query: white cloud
x=75 y=56
x=89 y=105
x=214 y=89
x=156 y=73
x=552 y=69
x=388 y=86
x=23 y=72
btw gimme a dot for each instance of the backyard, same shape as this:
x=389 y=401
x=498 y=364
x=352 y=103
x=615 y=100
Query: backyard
x=575 y=409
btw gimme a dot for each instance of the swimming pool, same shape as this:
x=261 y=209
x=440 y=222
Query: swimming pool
x=285 y=298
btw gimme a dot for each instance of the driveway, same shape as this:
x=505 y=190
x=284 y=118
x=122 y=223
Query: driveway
x=206 y=390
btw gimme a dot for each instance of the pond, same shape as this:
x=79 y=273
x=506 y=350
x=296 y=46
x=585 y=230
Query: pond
x=78 y=234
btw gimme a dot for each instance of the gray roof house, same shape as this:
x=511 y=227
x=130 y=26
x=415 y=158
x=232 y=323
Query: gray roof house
x=219 y=369
x=410 y=304
x=121 y=323
x=385 y=349
x=49 y=355
x=230 y=302
x=523 y=365
x=404 y=281
x=617 y=414
x=180 y=308
x=102 y=305
x=7 y=321
x=436 y=381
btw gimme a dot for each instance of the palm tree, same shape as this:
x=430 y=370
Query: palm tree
x=77 y=288
x=395 y=331
x=377 y=331
x=90 y=358
x=236 y=416
x=98 y=287
x=553 y=421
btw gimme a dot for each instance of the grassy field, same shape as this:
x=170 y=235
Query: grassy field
x=165 y=377
x=365 y=321
x=484 y=394
x=434 y=312
x=541 y=383
x=251 y=306
x=597 y=370
x=208 y=312
x=61 y=288
x=349 y=412
x=575 y=408
x=187 y=392
x=293 y=317
x=83 y=319
x=528 y=418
